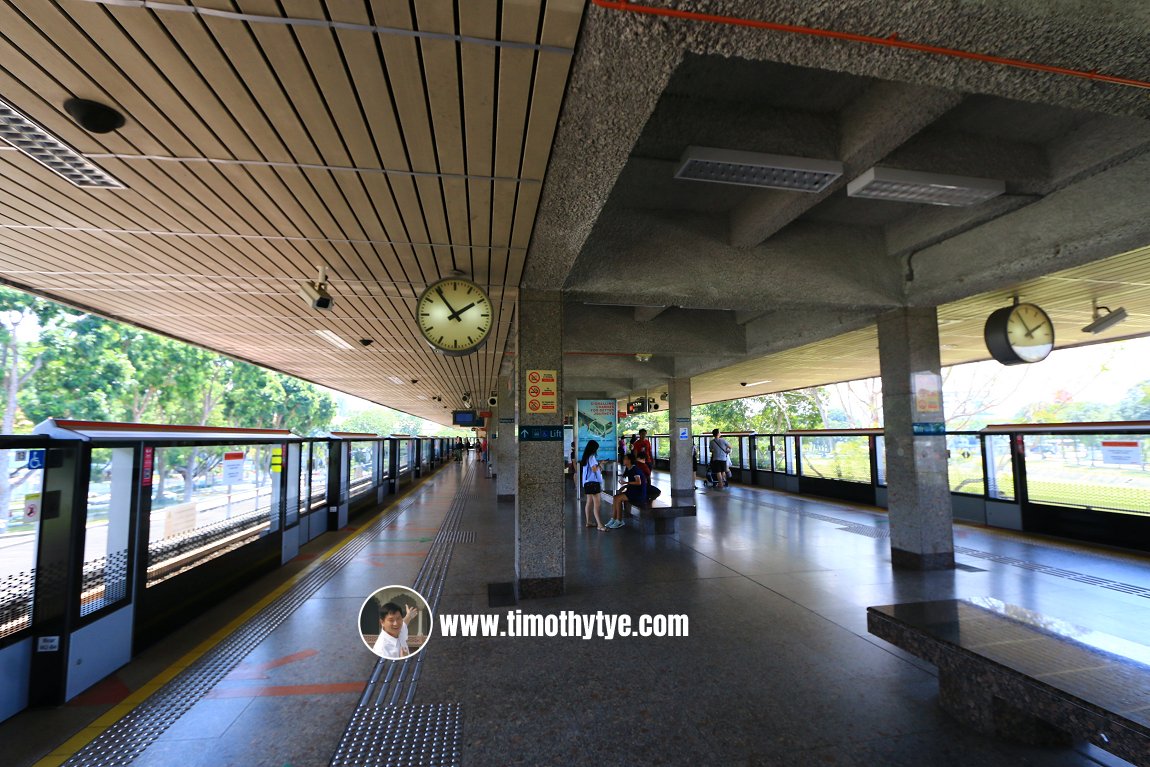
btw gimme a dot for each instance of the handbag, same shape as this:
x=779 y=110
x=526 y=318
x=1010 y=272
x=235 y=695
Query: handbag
x=653 y=492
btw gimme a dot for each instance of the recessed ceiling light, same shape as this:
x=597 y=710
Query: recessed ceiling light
x=35 y=141
x=396 y=380
x=772 y=171
x=333 y=339
x=756 y=383
x=929 y=188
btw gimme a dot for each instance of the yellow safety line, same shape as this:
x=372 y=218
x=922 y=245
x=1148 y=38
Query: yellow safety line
x=70 y=747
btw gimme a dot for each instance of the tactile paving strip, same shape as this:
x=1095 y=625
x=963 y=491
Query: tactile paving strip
x=412 y=735
x=123 y=741
x=381 y=728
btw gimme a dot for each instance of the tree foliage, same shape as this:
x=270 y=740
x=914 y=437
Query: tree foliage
x=1135 y=405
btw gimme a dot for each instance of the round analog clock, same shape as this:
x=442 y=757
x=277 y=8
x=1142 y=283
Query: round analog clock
x=1019 y=334
x=454 y=316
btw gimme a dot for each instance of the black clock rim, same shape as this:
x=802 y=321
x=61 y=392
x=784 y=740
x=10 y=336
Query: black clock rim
x=997 y=341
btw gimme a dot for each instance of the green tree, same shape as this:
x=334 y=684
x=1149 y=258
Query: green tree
x=87 y=372
x=20 y=360
x=1135 y=405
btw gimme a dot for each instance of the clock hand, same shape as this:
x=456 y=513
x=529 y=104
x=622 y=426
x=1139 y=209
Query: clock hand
x=455 y=313
x=1029 y=331
x=444 y=299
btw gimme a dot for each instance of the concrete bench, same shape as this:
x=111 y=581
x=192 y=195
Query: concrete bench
x=655 y=517
x=1014 y=673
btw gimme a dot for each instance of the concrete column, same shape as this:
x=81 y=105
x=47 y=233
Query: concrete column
x=506 y=446
x=492 y=431
x=539 y=503
x=679 y=415
x=918 y=492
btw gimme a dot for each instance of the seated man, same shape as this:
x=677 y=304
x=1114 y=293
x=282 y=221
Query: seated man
x=392 y=642
x=634 y=490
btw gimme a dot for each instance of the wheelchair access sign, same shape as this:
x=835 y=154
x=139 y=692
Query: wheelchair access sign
x=35 y=459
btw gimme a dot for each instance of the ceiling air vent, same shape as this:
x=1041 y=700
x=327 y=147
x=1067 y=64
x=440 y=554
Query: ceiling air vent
x=771 y=171
x=928 y=188
x=36 y=142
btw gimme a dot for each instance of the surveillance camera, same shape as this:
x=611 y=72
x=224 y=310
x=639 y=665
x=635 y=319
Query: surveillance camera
x=316 y=295
x=366 y=341
x=414 y=381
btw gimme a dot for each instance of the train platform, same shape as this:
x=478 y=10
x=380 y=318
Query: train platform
x=777 y=669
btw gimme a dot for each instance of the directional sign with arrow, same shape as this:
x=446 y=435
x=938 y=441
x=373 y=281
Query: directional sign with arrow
x=541 y=433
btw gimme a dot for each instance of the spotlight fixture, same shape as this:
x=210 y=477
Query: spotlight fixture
x=34 y=140
x=930 y=188
x=644 y=357
x=315 y=293
x=1105 y=321
x=366 y=341
x=772 y=171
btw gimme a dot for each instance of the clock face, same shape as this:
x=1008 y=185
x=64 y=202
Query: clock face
x=454 y=316
x=1019 y=334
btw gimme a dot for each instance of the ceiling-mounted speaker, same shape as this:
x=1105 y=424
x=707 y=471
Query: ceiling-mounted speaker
x=94 y=116
x=493 y=401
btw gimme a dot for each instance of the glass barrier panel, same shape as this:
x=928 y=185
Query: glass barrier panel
x=1000 y=468
x=20 y=496
x=880 y=459
x=304 y=476
x=792 y=460
x=404 y=455
x=385 y=459
x=735 y=459
x=362 y=461
x=104 y=579
x=207 y=501
x=779 y=454
x=841 y=457
x=964 y=464
x=763 y=453
x=319 y=474
x=1090 y=471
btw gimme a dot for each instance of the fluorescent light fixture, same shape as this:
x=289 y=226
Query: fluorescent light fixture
x=930 y=188
x=1105 y=321
x=756 y=383
x=333 y=339
x=770 y=171
x=35 y=141
x=396 y=380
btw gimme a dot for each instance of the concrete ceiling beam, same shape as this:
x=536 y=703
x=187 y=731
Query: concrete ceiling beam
x=609 y=329
x=883 y=118
x=1102 y=216
x=648 y=313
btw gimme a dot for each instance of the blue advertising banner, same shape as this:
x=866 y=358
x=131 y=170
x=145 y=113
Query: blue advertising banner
x=597 y=419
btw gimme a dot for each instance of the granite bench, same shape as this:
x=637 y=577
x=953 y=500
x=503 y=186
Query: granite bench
x=657 y=517
x=1018 y=674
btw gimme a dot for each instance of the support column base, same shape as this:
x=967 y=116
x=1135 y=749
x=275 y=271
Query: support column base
x=912 y=560
x=505 y=497
x=685 y=492
x=537 y=588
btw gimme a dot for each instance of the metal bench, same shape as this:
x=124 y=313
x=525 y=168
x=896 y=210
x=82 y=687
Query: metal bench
x=1015 y=673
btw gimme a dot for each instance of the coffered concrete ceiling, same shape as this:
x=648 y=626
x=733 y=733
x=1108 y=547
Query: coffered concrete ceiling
x=786 y=285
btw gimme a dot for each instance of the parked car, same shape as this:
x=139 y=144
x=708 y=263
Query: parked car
x=1043 y=450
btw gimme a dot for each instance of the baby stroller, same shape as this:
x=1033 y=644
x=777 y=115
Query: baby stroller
x=710 y=478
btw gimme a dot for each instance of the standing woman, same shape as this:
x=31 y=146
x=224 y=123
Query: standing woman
x=592 y=479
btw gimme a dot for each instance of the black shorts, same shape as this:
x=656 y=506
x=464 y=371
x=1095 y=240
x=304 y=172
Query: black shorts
x=592 y=488
x=718 y=467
